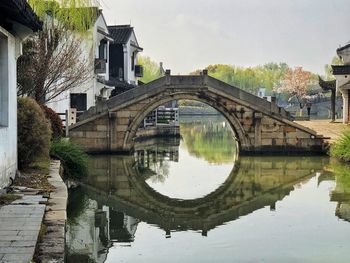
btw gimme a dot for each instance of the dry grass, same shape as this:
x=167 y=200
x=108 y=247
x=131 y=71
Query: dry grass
x=36 y=176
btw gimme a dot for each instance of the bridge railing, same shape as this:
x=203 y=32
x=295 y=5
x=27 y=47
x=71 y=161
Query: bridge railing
x=187 y=82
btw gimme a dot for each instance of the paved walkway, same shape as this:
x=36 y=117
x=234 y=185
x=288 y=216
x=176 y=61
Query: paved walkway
x=333 y=130
x=20 y=224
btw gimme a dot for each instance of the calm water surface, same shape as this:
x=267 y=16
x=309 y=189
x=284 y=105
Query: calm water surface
x=195 y=200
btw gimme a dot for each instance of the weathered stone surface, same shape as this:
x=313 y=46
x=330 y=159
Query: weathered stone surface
x=19 y=228
x=52 y=246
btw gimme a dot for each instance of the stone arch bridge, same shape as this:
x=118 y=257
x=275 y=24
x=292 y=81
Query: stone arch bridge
x=260 y=126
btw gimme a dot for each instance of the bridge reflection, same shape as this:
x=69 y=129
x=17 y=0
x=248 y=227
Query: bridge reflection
x=253 y=184
x=115 y=197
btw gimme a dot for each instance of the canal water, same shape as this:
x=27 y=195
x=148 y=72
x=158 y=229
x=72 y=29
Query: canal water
x=194 y=199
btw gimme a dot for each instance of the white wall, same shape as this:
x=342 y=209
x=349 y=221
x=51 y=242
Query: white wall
x=129 y=75
x=90 y=49
x=8 y=133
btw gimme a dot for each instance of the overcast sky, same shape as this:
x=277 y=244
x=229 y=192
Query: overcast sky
x=191 y=34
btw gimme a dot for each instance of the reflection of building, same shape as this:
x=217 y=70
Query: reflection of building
x=342 y=75
x=89 y=236
x=122 y=227
x=155 y=150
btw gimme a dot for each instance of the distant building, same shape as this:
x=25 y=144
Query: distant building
x=342 y=75
x=96 y=50
x=17 y=22
x=124 y=50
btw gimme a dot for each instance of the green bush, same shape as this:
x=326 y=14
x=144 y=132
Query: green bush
x=34 y=132
x=55 y=120
x=73 y=159
x=341 y=148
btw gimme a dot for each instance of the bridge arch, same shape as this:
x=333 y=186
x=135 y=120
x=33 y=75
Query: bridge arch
x=241 y=135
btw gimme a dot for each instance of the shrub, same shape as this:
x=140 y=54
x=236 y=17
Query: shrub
x=341 y=148
x=55 y=120
x=34 y=132
x=73 y=159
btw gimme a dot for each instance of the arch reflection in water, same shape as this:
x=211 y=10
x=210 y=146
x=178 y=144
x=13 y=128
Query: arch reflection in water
x=117 y=198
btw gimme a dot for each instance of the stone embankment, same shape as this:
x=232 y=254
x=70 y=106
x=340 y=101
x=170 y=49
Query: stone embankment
x=51 y=247
x=34 y=225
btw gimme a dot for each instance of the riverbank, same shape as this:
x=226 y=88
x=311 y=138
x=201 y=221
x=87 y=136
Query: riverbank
x=51 y=246
x=331 y=130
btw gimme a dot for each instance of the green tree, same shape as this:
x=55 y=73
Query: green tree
x=74 y=14
x=151 y=70
x=249 y=79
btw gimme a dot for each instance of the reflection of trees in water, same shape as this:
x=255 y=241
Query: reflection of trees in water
x=212 y=140
x=341 y=193
x=161 y=170
x=154 y=163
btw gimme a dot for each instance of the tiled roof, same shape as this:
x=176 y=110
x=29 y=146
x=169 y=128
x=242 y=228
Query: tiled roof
x=341 y=70
x=120 y=33
x=21 y=12
x=327 y=85
x=344 y=47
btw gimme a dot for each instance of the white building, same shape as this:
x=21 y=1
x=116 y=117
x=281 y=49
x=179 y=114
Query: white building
x=123 y=55
x=342 y=75
x=17 y=22
x=95 y=48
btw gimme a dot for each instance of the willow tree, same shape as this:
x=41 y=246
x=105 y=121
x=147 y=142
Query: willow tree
x=73 y=14
x=52 y=60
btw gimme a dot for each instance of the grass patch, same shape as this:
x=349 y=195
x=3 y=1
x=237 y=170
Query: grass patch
x=8 y=199
x=74 y=160
x=341 y=148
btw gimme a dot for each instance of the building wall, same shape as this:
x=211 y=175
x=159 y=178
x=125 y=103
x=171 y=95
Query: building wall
x=129 y=74
x=92 y=88
x=8 y=130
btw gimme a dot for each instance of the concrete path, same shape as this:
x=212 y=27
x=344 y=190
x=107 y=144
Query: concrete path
x=20 y=224
x=333 y=130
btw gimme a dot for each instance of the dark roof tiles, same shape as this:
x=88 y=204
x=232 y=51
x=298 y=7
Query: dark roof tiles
x=21 y=12
x=343 y=47
x=121 y=33
x=341 y=69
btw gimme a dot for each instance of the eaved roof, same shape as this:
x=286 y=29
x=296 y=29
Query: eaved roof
x=343 y=47
x=20 y=12
x=341 y=69
x=120 y=33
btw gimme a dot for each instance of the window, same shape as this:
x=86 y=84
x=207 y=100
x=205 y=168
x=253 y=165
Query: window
x=4 y=81
x=102 y=50
x=133 y=61
x=78 y=101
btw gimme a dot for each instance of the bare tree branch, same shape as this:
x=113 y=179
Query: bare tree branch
x=52 y=63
